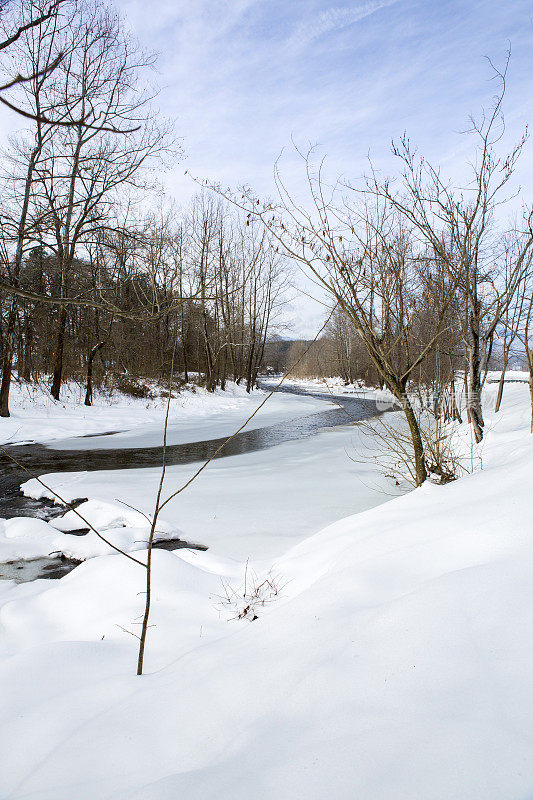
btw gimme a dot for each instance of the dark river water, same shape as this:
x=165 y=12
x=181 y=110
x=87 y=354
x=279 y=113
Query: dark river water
x=40 y=460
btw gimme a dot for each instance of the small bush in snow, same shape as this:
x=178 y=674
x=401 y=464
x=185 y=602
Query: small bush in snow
x=244 y=601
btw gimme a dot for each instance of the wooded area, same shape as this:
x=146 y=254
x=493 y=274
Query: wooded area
x=100 y=279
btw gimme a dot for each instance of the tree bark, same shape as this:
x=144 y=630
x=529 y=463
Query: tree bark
x=60 y=345
x=7 y=364
x=418 y=447
x=456 y=415
x=474 y=383
x=500 y=388
x=531 y=393
x=89 y=385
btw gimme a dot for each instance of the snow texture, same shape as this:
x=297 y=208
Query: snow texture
x=394 y=664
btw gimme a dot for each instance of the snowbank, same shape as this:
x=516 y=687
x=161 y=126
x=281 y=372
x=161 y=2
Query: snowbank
x=326 y=385
x=27 y=538
x=136 y=422
x=395 y=664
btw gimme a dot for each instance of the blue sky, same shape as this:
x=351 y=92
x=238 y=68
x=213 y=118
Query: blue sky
x=243 y=77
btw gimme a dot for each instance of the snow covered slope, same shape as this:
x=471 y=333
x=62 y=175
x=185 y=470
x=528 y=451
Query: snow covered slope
x=395 y=664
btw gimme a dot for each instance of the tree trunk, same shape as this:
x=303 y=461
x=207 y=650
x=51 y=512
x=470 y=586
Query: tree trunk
x=184 y=344
x=249 y=368
x=60 y=344
x=531 y=393
x=89 y=385
x=465 y=387
x=418 y=447
x=28 y=350
x=474 y=383
x=224 y=370
x=456 y=415
x=8 y=360
x=500 y=388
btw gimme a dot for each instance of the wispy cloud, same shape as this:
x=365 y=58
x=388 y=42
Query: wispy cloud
x=335 y=19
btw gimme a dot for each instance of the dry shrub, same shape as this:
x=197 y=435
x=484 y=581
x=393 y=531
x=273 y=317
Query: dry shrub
x=244 y=601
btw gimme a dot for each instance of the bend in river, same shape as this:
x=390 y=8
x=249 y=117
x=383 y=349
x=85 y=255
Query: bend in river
x=40 y=460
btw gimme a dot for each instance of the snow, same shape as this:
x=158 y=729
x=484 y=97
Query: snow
x=395 y=664
x=194 y=414
x=511 y=375
x=252 y=505
x=28 y=538
x=325 y=385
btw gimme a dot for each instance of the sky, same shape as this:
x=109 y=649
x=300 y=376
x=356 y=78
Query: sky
x=243 y=79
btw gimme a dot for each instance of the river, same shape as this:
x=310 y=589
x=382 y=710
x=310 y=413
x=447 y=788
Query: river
x=38 y=459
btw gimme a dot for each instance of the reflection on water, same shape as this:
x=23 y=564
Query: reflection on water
x=22 y=571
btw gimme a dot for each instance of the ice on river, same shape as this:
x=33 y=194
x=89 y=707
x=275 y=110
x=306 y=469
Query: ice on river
x=253 y=505
x=194 y=415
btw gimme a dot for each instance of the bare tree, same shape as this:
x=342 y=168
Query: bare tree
x=37 y=43
x=82 y=167
x=512 y=318
x=73 y=171
x=368 y=258
x=522 y=323
x=458 y=224
x=18 y=21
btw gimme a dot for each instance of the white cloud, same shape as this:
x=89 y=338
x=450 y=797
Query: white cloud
x=335 y=19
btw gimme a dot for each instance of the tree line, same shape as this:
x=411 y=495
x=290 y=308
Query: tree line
x=91 y=282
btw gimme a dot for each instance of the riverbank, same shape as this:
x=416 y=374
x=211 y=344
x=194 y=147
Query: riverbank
x=240 y=504
x=137 y=421
x=409 y=621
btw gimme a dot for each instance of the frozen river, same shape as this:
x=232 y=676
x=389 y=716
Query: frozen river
x=246 y=500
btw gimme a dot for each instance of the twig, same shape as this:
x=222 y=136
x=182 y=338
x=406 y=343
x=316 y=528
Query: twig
x=144 y=630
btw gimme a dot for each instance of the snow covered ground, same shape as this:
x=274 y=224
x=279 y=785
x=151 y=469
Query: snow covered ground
x=252 y=505
x=394 y=663
x=325 y=385
x=194 y=414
